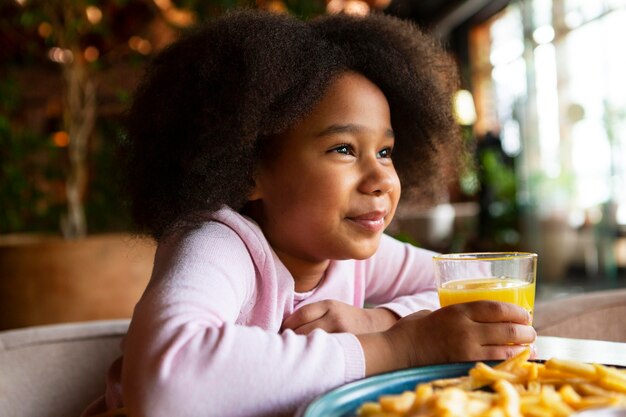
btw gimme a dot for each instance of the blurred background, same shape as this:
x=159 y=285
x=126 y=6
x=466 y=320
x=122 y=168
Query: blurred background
x=542 y=108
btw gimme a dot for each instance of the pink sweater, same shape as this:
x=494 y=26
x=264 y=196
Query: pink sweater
x=205 y=337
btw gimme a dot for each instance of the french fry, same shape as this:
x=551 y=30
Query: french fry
x=495 y=412
x=514 y=362
x=570 y=396
x=613 y=384
x=370 y=409
x=551 y=399
x=581 y=369
x=477 y=407
x=397 y=403
x=532 y=372
x=452 y=403
x=509 y=398
x=533 y=387
x=535 y=410
x=597 y=402
x=606 y=371
x=485 y=372
x=449 y=382
x=423 y=392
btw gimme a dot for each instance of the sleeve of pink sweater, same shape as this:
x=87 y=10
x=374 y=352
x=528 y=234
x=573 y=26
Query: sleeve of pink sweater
x=185 y=356
x=403 y=274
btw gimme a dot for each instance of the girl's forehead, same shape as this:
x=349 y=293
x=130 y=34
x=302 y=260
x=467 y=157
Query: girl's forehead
x=349 y=94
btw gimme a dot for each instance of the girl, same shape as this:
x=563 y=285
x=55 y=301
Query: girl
x=266 y=156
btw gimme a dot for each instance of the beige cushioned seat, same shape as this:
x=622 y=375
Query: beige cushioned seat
x=56 y=370
x=595 y=315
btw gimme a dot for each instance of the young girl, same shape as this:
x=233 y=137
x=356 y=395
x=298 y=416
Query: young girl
x=266 y=156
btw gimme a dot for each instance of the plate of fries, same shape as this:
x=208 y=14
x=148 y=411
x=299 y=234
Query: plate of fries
x=517 y=387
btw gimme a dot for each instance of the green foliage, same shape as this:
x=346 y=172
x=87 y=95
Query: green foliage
x=499 y=216
x=106 y=206
x=306 y=9
x=406 y=238
x=26 y=184
x=498 y=175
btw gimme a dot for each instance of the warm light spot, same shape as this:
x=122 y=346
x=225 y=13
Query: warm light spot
x=134 y=42
x=544 y=34
x=94 y=14
x=620 y=216
x=174 y=15
x=91 y=53
x=276 y=6
x=143 y=46
x=179 y=17
x=44 y=29
x=163 y=4
x=464 y=109
x=356 y=7
x=21 y=2
x=62 y=56
x=381 y=4
x=334 y=6
x=574 y=19
x=61 y=139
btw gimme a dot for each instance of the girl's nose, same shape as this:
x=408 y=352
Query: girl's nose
x=378 y=178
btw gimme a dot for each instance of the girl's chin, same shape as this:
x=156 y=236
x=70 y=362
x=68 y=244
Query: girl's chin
x=366 y=250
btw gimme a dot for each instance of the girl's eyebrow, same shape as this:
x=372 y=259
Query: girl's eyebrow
x=349 y=128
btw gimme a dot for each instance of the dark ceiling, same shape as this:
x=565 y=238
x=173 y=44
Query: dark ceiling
x=443 y=17
x=450 y=21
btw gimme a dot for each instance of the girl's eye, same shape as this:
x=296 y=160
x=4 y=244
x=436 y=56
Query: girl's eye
x=344 y=149
x=385 y=153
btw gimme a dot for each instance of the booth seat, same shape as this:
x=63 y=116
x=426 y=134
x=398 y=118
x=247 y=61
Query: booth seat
x=56 y=370
x=595 y=315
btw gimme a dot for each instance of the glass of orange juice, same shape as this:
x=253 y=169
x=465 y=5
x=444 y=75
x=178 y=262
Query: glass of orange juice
x=497 y=276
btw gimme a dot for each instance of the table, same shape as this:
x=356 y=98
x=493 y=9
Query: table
x=585 y=350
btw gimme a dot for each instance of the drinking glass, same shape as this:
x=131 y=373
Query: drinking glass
x=497 y=276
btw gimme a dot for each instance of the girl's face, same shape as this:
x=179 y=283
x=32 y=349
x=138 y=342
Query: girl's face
x=327 y=187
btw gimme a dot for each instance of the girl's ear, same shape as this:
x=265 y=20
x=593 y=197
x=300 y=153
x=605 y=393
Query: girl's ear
x=255 y=192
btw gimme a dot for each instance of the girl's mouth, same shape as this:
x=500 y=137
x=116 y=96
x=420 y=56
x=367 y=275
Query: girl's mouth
x=373 y=221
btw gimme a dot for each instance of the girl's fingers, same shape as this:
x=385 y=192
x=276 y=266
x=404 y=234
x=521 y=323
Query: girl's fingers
x=307 y=328
x=501 y=352
x=305 y=314
x=507 y=333
x=495 y=311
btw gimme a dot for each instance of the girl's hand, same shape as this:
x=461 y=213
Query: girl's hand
x=336 y=317
x=481 y=330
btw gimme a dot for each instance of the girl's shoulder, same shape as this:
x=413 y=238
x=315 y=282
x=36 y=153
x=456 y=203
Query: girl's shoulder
x=243 y=226
x=221 y=227
x=224 y=234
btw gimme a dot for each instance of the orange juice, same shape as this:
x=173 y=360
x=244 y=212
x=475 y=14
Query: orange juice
x=509 y=290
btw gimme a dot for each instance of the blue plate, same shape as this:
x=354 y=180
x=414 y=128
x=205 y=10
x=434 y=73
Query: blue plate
x=345 y=400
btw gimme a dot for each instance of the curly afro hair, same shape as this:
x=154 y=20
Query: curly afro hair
x=208 y=102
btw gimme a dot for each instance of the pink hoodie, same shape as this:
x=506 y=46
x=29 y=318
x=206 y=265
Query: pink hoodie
x=205 y=337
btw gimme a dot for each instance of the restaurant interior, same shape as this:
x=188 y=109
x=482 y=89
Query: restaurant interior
x=540 y=106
